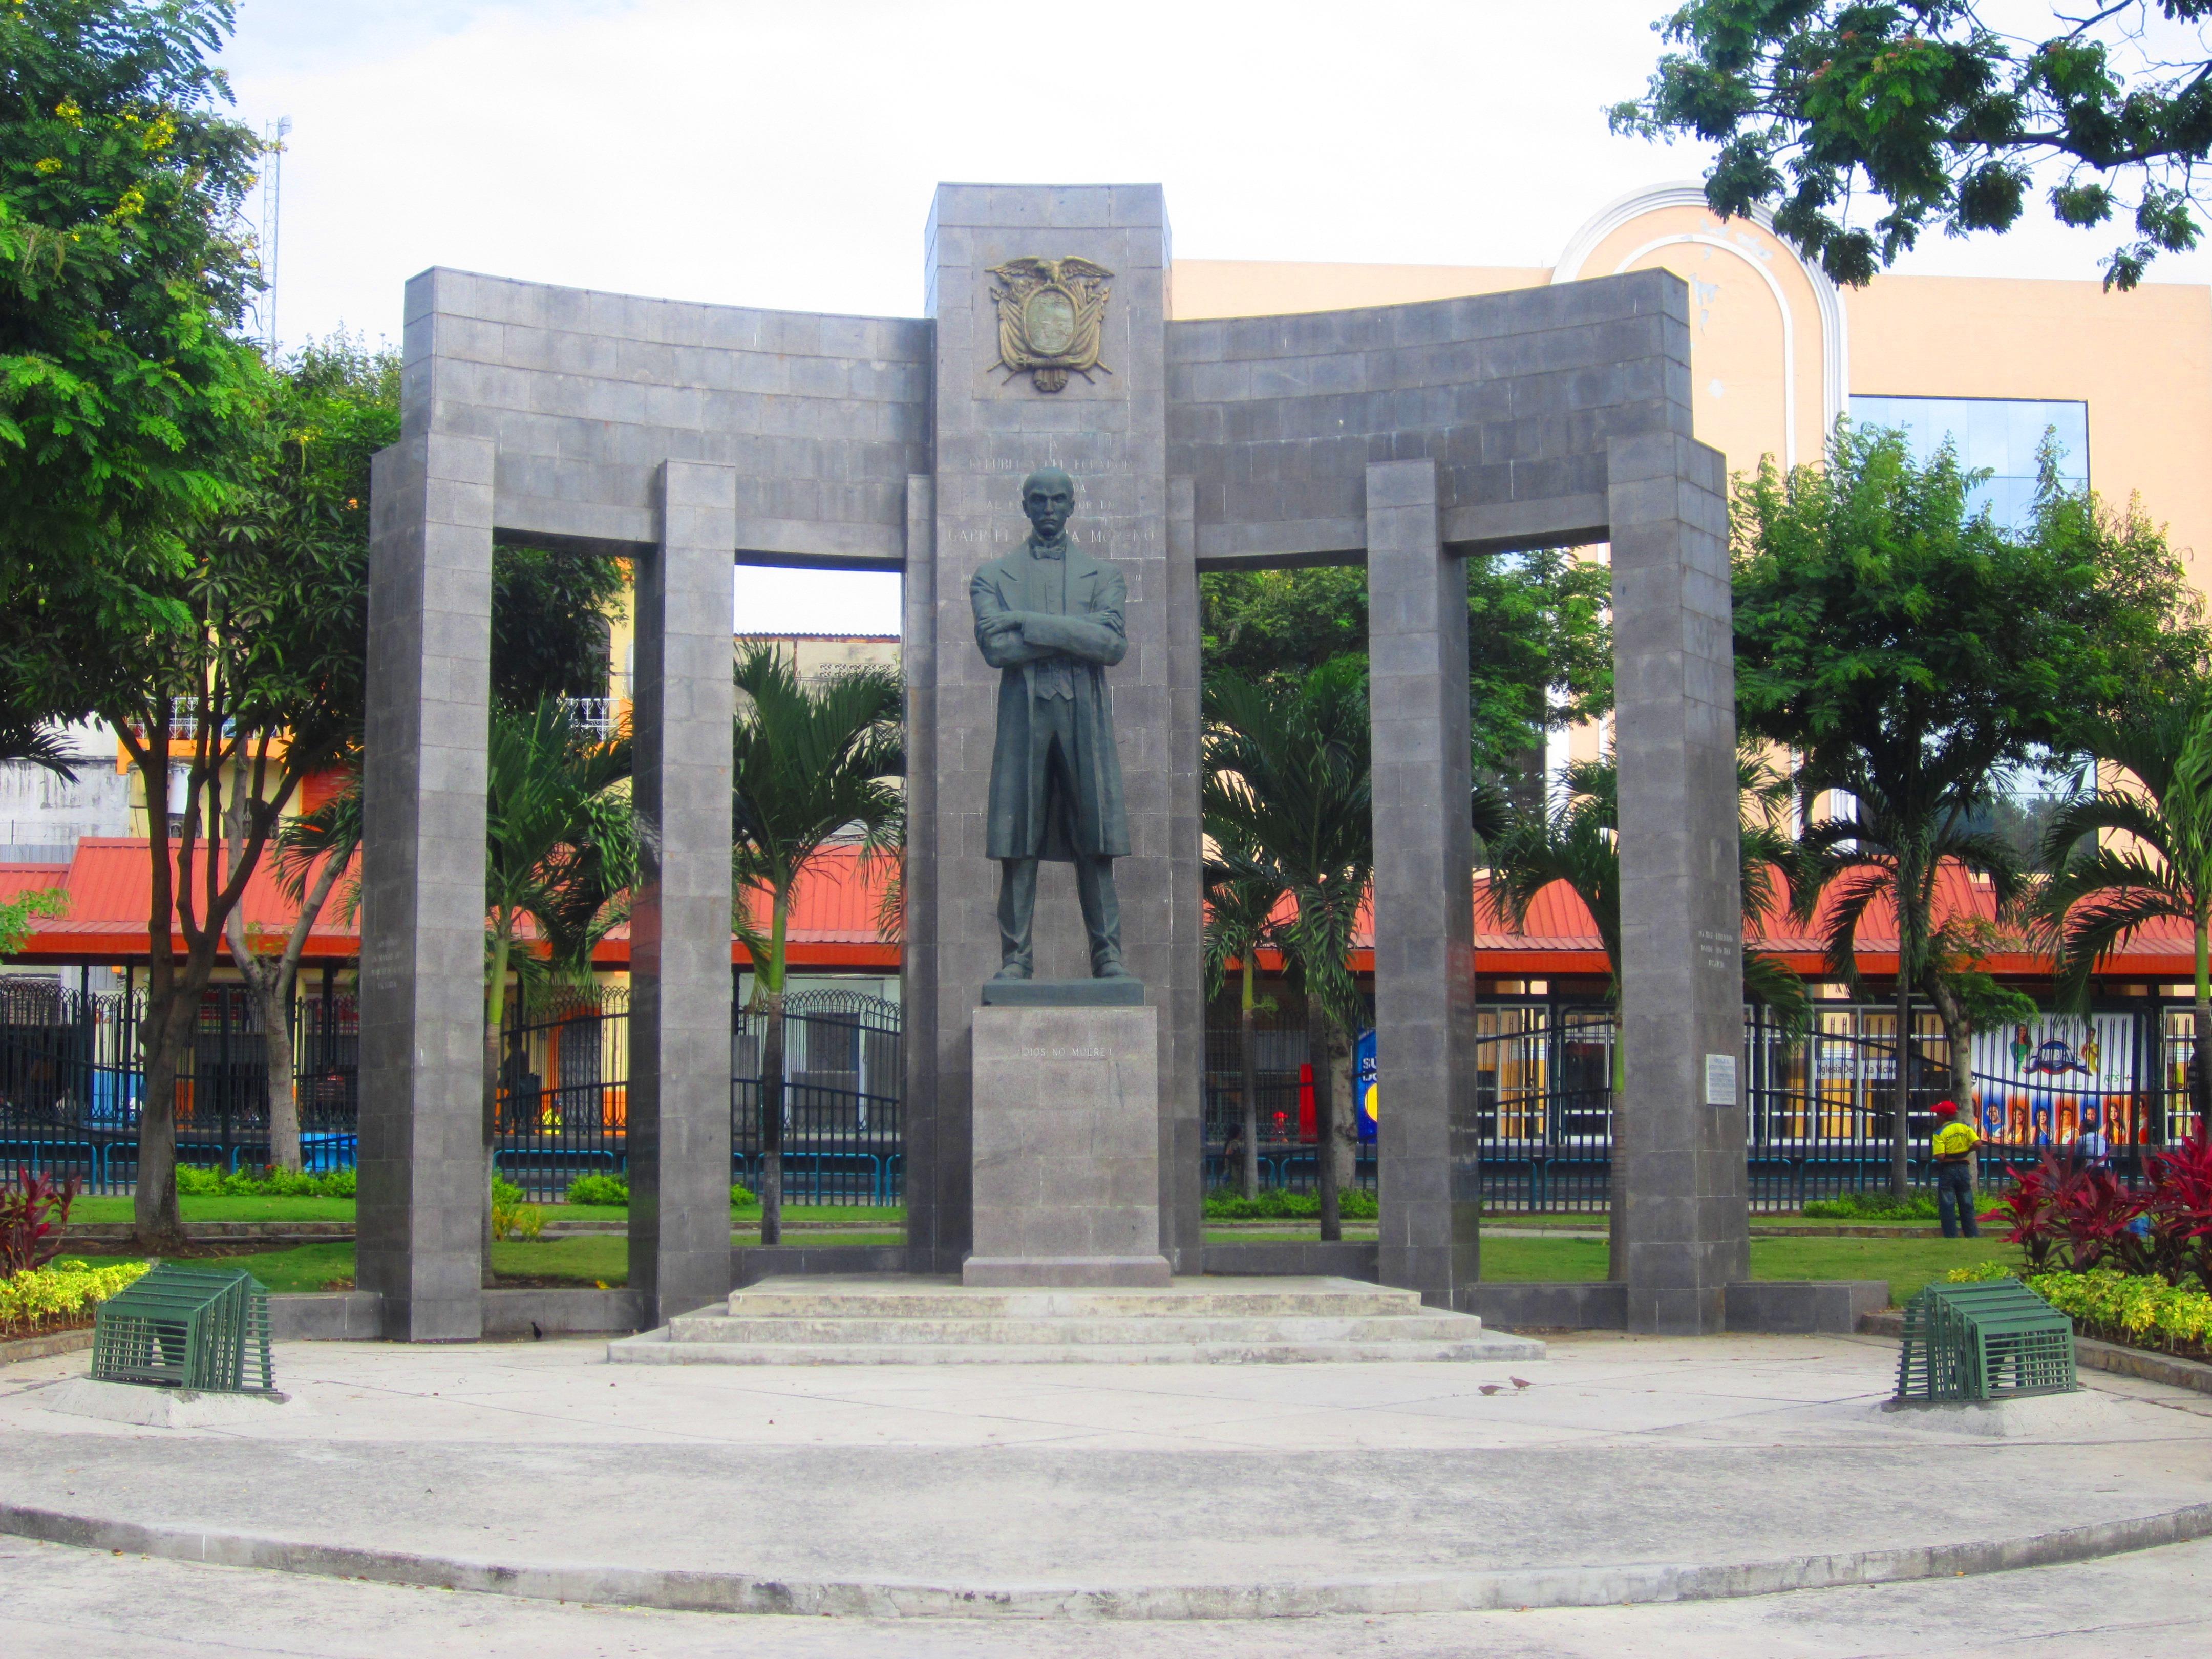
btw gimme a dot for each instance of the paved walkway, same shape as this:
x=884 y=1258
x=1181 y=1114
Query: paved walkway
x=1625 y=1468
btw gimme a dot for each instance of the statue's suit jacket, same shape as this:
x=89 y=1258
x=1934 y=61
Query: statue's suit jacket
x=1028 y=819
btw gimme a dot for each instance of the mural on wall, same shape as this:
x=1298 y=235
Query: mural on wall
x=2046 y=1082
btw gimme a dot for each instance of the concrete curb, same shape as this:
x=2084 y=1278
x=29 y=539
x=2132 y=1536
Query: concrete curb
x=738 y=1592
x=40 y=1347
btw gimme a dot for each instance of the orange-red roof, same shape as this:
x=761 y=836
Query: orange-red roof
x=833 y=924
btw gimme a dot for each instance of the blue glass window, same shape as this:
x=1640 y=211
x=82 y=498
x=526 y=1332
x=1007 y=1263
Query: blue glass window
x=1999 y=434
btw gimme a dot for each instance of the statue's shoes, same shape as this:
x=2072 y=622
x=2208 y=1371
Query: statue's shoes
x=1011 y=971
x=1111 y=970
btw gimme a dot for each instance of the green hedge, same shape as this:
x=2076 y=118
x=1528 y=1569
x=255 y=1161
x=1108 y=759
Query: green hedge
x=193 y=1181
x=614 y=1190
x=1277 y=1205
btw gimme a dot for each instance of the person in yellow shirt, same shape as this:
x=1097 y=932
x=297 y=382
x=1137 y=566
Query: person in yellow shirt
x=1953 y=1149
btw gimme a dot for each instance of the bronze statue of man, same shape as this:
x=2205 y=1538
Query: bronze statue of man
x=1049 y=617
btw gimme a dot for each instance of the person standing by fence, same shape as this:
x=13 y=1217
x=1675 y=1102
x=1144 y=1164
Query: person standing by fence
x=1953 y=1148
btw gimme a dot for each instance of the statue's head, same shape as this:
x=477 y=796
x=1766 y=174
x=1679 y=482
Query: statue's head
x=1048 y=497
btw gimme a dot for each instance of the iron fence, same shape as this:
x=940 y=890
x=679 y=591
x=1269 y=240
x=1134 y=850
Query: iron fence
x=843 y=1130
x=72 y=1076
x=1821 y=1105
x=563 y=1098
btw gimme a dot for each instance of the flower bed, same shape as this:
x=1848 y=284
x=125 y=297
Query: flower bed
x=60 y=1297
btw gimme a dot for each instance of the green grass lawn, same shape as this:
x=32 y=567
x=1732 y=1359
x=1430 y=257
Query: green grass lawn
x=110 y=1210
x=1907 y=1263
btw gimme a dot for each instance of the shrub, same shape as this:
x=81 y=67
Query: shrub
x=517 y=1220
x=39 y=1295
x=1872 y=1206
x=1276 y=1204
x=2135 y=1307
x=504 y=1191
x=33 y=1212
x=270 y=1181
x=599 y=1189
x=743 y=1198
x=1981 y=1272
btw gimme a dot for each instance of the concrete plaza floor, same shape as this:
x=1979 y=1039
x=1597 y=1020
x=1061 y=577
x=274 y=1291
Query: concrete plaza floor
x=1624 y=1469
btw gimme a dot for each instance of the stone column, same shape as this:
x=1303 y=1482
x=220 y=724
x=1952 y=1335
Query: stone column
x=1428 y=1165
x=1110 y=433
x=1183 y=1103
x=680 y=981
x=422 y=1177
x=1677 y=1175
x=936 y=1170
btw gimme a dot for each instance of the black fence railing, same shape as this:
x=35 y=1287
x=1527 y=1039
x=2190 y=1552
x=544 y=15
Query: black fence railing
x=843 y=1131
x=1819 y=1119
x=1821 y=1105
x=72 y=1078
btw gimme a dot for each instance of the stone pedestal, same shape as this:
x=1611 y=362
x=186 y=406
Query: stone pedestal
x=1067 y=1147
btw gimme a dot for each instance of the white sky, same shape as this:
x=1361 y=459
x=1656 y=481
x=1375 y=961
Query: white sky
x=783 y=155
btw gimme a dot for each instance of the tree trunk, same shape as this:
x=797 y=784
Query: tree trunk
x=1318 y=1062
x=1900 y=1128
x=1345 y=1103
x=771 y=1099
x=1248 y=1062
x=1959 y=1037
x=171 y=1015
x=270 y=986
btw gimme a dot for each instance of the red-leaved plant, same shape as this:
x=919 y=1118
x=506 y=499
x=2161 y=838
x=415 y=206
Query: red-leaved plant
x=32 y=1214
x=2030 y=1212
x=2180 y=1209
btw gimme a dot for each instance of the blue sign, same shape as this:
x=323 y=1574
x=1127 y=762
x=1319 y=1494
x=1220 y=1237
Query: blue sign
x=1363 y=1086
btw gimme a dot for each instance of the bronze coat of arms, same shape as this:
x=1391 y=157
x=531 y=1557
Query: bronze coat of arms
x=1050 y=312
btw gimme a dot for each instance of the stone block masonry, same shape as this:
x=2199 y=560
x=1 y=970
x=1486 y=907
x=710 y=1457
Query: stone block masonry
x=1067 y=1149
x=687 y=436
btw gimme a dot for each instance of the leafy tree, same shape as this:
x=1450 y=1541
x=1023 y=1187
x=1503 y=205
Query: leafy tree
x=2137 y=851
x=1288 y=774
x=1243 y=889
x=549 y=613
x=127 y=403
x=1938 y=115
x=1540 y=643
x=18 y=915
x=812 y=765
x=1910 y=653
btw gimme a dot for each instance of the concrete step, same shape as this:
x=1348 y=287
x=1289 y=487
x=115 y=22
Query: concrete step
x=655 y=1349
x=1370 y=1302
x=1424 y=1326
x=899 y=1319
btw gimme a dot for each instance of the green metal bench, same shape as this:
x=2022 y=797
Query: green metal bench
x=186 y=1328
x=1995 y=1340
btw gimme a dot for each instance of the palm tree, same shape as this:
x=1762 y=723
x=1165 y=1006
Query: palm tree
x=1288 y=774
x=2159 y=865
x=1577 y=842
x=812 y=766
x=1243 y=888
x=561 y=850
x=1902 y=826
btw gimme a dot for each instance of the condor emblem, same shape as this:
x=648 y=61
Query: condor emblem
x=1049 y=315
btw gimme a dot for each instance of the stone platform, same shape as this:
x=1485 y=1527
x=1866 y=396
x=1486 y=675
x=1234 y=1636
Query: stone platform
x=1618 y=1469
x=902 y=1320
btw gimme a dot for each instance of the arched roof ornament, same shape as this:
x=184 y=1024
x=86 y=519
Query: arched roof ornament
x=1827 y=300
